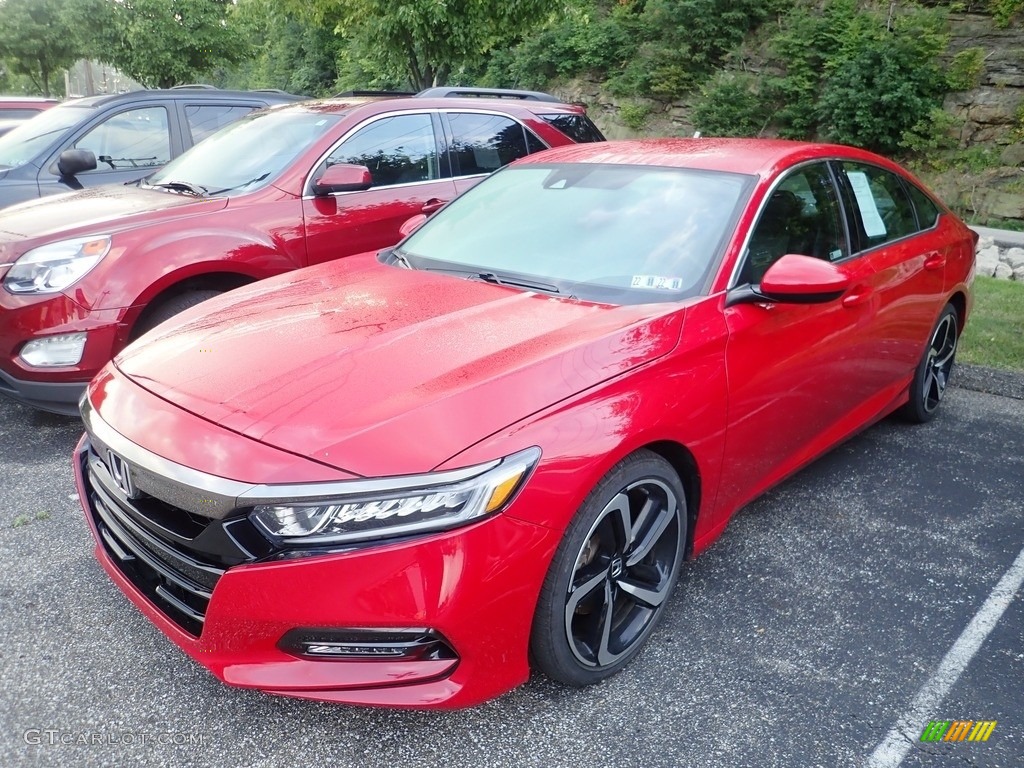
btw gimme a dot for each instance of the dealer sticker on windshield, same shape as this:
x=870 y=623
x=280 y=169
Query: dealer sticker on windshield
x=656 y=282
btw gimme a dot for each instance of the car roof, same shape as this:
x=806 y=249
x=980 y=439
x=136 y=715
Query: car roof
x=343 y=104
x=205 y=94
x=761 y=157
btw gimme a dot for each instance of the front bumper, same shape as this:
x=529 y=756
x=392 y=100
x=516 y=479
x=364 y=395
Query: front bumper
x=476 y=587
x=56 y=389
x=55 y=397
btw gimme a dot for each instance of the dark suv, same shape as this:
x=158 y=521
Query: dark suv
x=130 y=135
x=83 y=274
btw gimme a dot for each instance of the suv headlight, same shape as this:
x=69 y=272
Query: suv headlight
x=53 y=267
x=416 y=504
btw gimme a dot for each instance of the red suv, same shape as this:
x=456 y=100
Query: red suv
x=14 y=110
x=85 y=273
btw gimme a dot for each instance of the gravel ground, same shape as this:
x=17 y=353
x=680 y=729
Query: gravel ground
x=797 y=640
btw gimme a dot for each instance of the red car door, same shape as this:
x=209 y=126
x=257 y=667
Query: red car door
x=409 y=178
x=794 y=370
x=900 y=272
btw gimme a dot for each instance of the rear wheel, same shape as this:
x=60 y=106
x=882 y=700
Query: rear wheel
x=168 y=308
x=933 y=372
x=611 y=576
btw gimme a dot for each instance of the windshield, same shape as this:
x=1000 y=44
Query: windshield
x=247 y=154
x=24 y=143
x=611 y=233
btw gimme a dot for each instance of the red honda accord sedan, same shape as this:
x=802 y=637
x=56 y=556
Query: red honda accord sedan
x=406 y=477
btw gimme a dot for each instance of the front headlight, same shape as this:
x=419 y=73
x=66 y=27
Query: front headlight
x=53 y=267
x=418 y=507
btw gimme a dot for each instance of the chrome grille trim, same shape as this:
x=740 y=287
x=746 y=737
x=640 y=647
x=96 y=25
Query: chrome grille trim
x=215 y=497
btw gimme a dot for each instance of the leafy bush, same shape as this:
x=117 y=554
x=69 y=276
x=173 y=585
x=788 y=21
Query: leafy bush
x=686 y=40
x=1005 y=10
x=863 y=76
x=732 y=105
x=634 y=116
x=885 y=79
x=965 y=69
x=931 y=133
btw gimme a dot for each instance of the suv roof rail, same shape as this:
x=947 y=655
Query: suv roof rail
x=193 y=86
x=487 y=93
x=271 y=90
x=343 y=94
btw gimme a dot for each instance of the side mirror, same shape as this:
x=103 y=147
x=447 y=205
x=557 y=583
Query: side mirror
x=411 y=225
x=74 y=161
x=343 y=178
x=795 y=279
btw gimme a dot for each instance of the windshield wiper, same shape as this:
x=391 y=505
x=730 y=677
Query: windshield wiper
x=496 y=279
x=243 y=184
x=518 y=282
x=182 y=186
x=401 y=259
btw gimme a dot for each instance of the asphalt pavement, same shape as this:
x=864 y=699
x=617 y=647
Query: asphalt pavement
x=801 y=638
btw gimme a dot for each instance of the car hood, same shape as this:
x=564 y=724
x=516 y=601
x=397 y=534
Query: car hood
x=107 y=209
x=378 y=370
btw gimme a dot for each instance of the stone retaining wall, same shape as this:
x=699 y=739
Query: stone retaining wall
x=1005 y=263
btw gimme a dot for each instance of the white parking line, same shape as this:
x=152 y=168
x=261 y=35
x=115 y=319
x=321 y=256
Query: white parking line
x=908 y=728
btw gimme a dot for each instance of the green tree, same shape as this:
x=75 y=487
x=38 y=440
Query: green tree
x=161 y=43
x=425 y=41
x=37 y=39
x=289 y=50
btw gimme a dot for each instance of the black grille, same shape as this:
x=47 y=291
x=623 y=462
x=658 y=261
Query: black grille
x=172 y=556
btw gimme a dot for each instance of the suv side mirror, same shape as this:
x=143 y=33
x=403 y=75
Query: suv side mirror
x=72 y=161
x=343 y=178
x=795 y=279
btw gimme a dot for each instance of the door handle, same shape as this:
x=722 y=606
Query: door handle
x=934 y=260
x=432 y=205
x=859 y=295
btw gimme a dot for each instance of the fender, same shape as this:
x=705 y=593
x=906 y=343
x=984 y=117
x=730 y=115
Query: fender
x=145 y=271
x=682 y=396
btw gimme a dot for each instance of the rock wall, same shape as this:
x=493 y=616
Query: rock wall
x=1004 y=263
x=990 y=113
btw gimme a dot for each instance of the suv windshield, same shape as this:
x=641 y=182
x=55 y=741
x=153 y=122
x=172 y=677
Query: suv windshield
x=29 y=139
x=247 y=154
x=610 y=233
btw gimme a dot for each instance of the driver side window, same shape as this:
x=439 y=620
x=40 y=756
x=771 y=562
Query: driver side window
x=802 y=215
x=136 y=138
x=397 y=150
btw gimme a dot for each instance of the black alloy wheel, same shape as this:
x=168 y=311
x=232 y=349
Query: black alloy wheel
x=613 y=573
x=934 y=370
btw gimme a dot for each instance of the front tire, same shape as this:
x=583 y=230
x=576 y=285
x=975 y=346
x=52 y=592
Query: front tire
x=168 y=308
x=612 y=575
x=933 y=372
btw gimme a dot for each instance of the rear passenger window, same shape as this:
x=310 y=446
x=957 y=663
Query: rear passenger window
x=533 y=144
x=210 y=118
x=579 y=128
x=485 y=143
x=927 y=210
x=882 y=209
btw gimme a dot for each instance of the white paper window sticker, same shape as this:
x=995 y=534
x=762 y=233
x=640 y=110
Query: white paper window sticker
x=656 y=282
x=873 y=224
